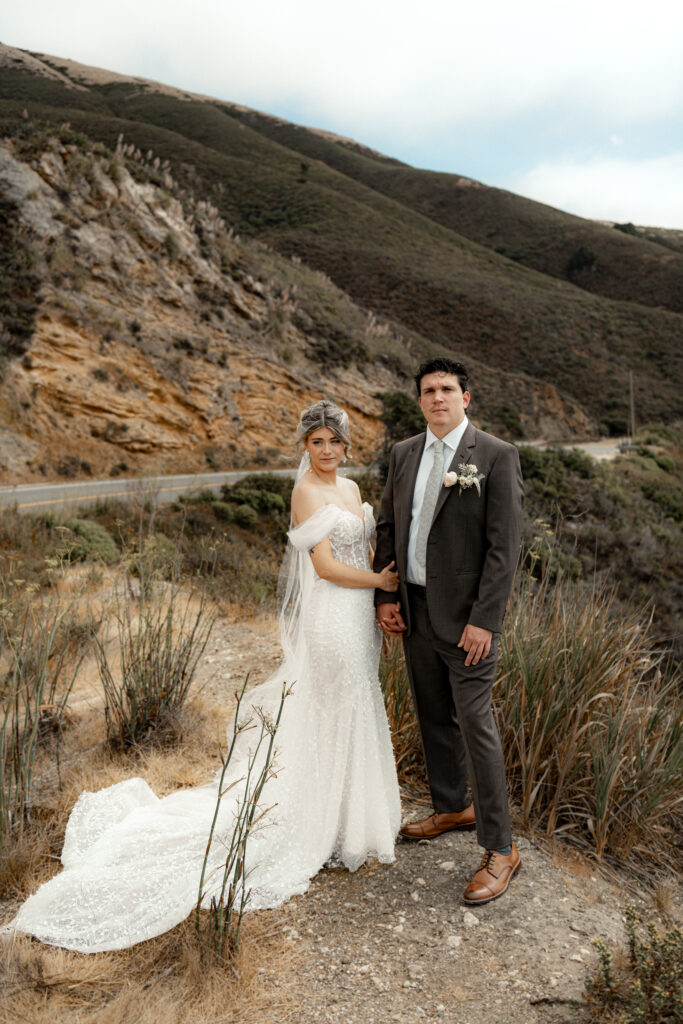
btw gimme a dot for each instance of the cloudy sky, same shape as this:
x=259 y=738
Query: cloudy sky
x=579 y=105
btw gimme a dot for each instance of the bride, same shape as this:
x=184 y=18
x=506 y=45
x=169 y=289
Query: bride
x=133 y=862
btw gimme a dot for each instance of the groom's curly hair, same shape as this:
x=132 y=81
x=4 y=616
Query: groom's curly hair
x=441 y=365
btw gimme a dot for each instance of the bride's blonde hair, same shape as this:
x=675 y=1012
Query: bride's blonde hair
x=324 y=414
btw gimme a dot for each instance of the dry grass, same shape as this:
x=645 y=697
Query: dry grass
x=168 y=979
x=174 y=978
x=590 y=722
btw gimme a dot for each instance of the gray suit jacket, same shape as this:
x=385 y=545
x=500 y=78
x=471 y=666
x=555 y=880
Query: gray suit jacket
x=473 y=545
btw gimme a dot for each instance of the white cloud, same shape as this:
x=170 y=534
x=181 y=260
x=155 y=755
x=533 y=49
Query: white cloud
x=380 y=63
x=507 y=84
x=647 y=192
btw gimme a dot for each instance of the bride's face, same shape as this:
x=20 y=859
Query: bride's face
x=325 y=449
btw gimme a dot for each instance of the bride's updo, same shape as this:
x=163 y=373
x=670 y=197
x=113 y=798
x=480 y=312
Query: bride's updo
x=324 y=414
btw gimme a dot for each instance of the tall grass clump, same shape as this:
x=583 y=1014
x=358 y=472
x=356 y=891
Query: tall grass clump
x=589 y=716
x=644 y=988
x=398 y=701
x=229 y=898
x=38 y=667
x=160 y=632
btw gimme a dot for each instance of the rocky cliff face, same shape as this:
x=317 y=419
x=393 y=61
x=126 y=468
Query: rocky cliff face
x=159 y=342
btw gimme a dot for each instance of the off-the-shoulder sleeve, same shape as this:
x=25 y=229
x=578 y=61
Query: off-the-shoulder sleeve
x=314 y=529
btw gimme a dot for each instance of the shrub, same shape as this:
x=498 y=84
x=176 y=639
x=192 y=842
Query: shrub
x=545 y=470
x=19 y=284
x=246 y=516
x=666 y=493
x=161 y=636
x=222 y=510
x=90 y=540
x=582 y=258
x=648 y=988
x=588 y=718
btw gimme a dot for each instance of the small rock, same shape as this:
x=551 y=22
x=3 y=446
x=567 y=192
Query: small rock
x=576 y=958
x=415 y=896
x=469 y=920
x=552 y=982
x=420 y=881
x=447 y=865
x=454 y=941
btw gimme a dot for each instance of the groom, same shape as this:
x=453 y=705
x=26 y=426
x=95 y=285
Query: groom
x=451 y=520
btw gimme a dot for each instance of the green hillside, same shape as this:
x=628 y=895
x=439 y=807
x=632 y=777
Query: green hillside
x=390 y=237
x=617 y=262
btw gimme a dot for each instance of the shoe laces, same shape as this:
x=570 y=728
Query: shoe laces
x=487 y=860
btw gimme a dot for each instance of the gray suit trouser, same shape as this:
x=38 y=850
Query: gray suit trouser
x=459 y=734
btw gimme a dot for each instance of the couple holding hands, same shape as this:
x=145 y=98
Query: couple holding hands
x=447 y=544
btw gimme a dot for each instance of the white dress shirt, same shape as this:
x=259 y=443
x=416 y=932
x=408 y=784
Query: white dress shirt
x=415 y=573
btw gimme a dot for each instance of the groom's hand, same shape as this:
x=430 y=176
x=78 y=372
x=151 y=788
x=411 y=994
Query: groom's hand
x=477 y=642
x=390 y=619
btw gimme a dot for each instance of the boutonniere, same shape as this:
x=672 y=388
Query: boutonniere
x=467 y=476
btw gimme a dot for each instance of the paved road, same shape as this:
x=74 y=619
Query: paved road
x=160 y=489
x=163 y=489
x=606 y=449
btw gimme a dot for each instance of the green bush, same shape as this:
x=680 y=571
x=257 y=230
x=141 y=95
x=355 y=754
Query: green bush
x=90 y=540
x=222 y=510
x=647 y=990
x=206 y=495
x=545 y=471
x=666 y=493
x=666 y=463
x=246 y=516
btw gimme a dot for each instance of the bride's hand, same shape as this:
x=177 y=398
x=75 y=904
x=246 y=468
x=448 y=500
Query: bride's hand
x=388 y=579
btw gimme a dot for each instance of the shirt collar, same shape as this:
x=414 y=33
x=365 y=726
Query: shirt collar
x=452 y=439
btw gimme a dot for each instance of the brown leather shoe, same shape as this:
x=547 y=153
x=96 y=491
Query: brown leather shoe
x=493 y=876
x=437 y=824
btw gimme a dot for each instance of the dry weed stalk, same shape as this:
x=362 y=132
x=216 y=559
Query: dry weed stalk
x=405 y=733
x=227 y=908
x=39 y=667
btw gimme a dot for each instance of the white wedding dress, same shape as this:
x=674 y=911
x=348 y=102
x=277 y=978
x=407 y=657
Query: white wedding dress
x=132 y=862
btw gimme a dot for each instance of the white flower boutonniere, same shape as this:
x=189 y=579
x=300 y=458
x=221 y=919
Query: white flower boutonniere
x=467 y=476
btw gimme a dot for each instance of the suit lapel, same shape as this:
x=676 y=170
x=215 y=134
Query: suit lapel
x=462 y=456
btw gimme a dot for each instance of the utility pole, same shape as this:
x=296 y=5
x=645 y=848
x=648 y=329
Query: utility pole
x=633 y=411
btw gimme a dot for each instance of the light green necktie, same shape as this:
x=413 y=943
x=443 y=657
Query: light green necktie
x=432 y=489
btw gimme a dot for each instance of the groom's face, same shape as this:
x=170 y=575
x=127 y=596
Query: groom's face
x=443 y=402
